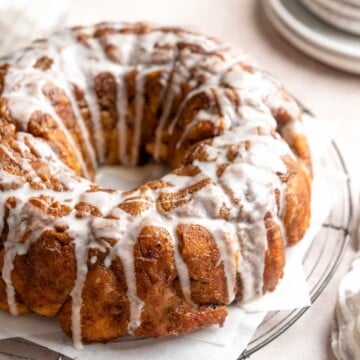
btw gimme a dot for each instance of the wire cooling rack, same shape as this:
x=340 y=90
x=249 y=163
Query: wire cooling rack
x=320 y=263
x=321 y=260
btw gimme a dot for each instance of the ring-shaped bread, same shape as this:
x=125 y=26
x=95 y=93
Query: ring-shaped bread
x=167 y=257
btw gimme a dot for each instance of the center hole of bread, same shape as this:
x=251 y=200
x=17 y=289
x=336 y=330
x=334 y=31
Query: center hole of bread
x=125 y=178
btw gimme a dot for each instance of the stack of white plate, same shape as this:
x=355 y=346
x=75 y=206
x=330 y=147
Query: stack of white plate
x=344 y=14
x=313 y=36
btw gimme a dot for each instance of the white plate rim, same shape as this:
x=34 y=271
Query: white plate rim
x=330 y=56
x=342 y=22
x=311 y=36
x=341 y=8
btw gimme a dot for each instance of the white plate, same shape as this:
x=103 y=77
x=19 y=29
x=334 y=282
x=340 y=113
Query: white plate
x=339 y=7
x=336 y=13
x=312 y=36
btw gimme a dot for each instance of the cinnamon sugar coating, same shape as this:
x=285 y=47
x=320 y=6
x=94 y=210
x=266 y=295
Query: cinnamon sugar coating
x=167 y=257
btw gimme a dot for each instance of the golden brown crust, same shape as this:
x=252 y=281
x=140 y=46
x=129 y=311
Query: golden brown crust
x=105 y=309
x=44 y=126
x=298 y=195
x=274 y=257
x=206 y=271
x=105 y=89
x=46 y=275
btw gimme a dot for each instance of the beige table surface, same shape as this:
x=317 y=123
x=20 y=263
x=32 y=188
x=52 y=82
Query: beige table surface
x=331 y=94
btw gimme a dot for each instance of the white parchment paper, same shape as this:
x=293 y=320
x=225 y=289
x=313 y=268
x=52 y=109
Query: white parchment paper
x=213 y=343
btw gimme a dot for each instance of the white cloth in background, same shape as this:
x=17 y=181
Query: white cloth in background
x=345 y=340
x=345 y=333
x=22 y=21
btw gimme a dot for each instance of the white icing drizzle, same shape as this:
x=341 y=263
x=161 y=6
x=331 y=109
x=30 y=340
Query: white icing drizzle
x=24 y=163
x=226 y=241
x=92 y=102
x=246 y=187
x=123 y=249
x=139 y=108
x=66 y=71
x=121 y=107
x=83 y=128
x=140 y=83
x=229 y=254
x=8 y=266
x=345 y=334
x=24 y=92
x=181 y=267
x=252 y=178
x=160 y=128
x=182 y=74
x=72 y=64
x=81 y=253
